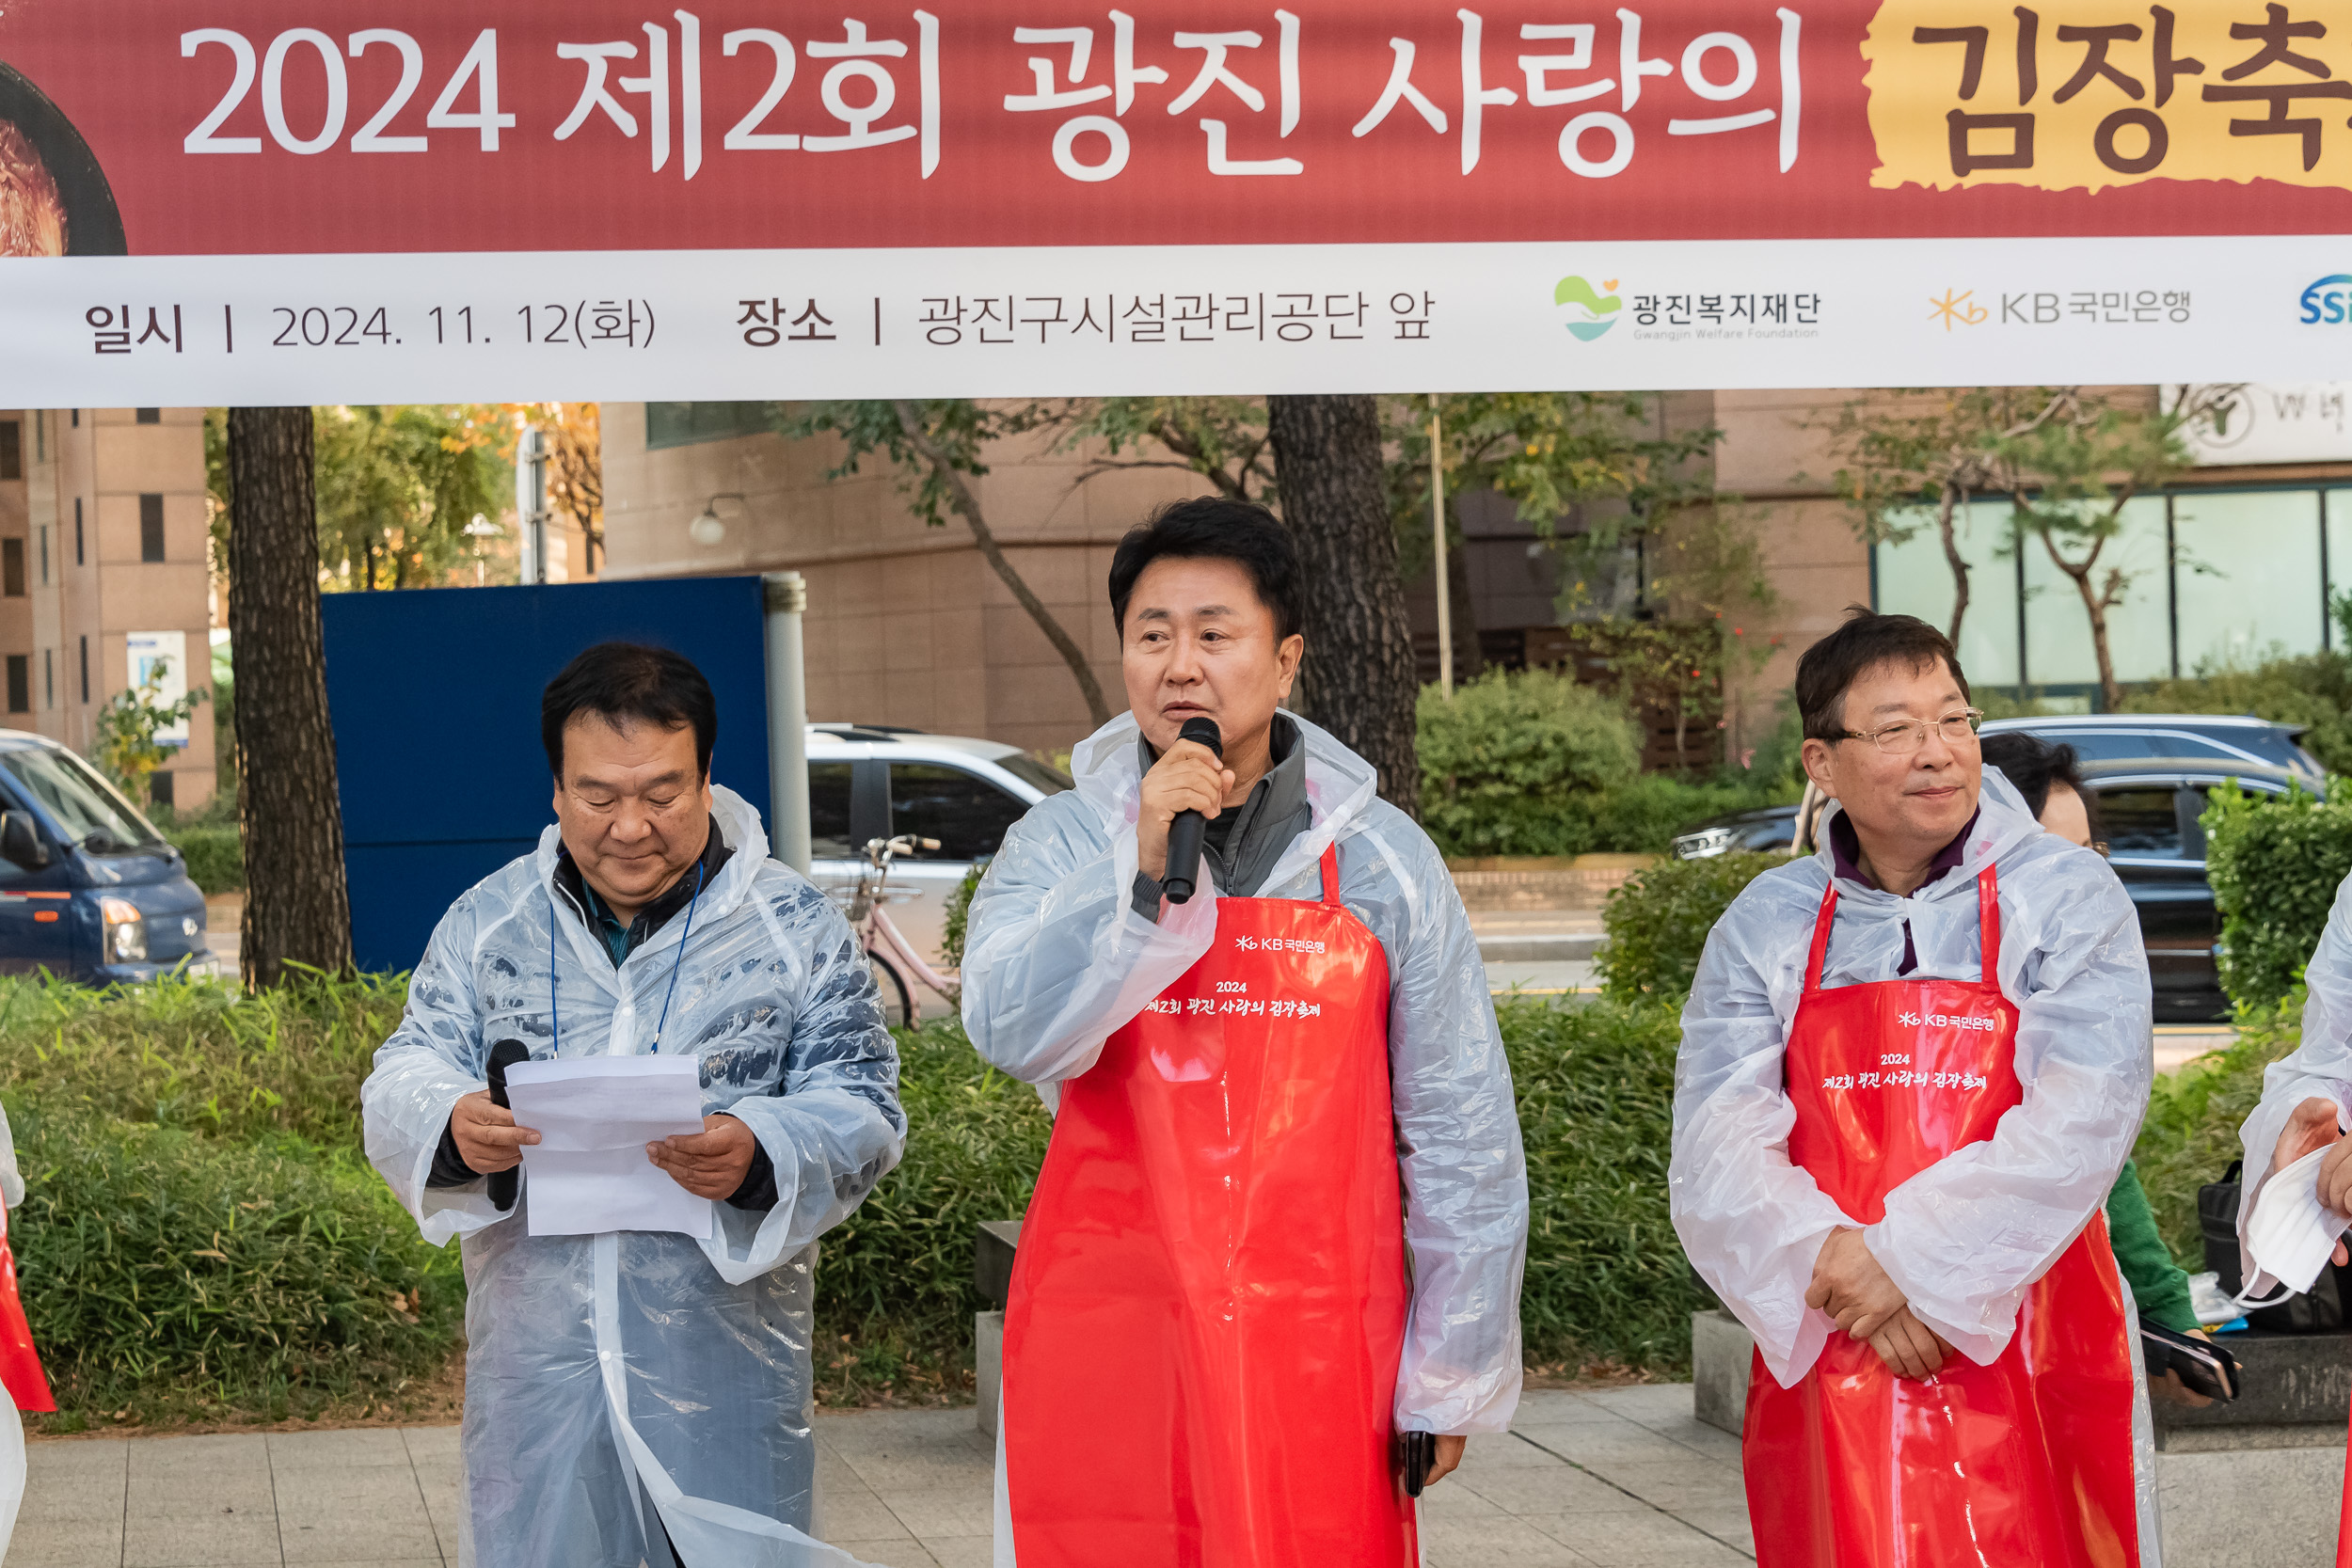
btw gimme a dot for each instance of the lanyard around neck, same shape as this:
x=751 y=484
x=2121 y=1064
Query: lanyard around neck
x=555 y=1032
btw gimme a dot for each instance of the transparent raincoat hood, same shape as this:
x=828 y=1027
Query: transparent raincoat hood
x=614 y=1374
x=1058 y=959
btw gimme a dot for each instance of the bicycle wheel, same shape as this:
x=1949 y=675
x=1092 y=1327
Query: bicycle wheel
x=897 y=1004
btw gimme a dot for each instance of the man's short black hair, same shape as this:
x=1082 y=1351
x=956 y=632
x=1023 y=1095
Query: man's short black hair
x=622 y=681
x=1868 y=640
x=1215 y=529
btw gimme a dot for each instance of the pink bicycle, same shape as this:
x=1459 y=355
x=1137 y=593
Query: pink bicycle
x=893 y=959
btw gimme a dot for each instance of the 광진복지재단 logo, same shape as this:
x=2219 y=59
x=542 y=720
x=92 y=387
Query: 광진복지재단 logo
x=1591 y=312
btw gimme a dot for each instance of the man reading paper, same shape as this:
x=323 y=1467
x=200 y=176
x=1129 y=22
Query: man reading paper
x=640 y=1395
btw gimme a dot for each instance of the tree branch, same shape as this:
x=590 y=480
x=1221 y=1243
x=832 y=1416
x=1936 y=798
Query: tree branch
x=962 y=500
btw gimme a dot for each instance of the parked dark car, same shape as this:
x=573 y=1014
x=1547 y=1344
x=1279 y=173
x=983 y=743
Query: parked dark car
x=2186 y=736
x=1766 y=828
x=89 y=889
x=2149 y=810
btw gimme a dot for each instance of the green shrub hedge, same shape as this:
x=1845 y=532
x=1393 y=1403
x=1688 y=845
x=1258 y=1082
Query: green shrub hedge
x=2275 y=865
x=1513 y=763
x=215 y=856
x=1606 y=1277
x=2313 y=689
x=2194 y=1113
x=1657 y=922
x=172 y=1274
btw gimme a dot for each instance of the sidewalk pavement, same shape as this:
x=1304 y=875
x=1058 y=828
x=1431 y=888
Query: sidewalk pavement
x=1623 y=1478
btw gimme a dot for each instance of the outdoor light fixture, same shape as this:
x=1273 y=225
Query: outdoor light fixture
x=709 y=528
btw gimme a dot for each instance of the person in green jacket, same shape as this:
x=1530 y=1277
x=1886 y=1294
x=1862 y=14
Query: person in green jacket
x=2047 y=776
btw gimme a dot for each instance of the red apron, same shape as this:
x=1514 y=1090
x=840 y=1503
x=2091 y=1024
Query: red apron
x=2026 y=1460
x=1209 y=1299
x=20 y=1366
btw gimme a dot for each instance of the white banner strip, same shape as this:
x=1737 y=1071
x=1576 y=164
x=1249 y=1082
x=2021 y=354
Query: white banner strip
x=1196 y=320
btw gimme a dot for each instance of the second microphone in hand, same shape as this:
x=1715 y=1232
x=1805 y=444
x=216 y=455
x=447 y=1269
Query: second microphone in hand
x=1186 y=834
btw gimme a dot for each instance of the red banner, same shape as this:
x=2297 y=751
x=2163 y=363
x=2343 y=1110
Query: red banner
x=294 y=127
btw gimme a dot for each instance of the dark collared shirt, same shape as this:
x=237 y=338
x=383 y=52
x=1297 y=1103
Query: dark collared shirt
x=1845 y=850
x=621 y=940
x=1242 y=844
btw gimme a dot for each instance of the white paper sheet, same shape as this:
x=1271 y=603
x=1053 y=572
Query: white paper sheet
x=595 y=1116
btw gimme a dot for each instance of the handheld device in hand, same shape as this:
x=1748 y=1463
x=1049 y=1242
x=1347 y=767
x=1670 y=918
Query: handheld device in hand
x=2205 y=1368
x=1421 y=1455
x=505 y=1185
x=1186 y=834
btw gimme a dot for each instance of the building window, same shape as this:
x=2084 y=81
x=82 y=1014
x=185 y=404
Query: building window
x=149 y=416
x=40 y=437
x=86 y=668
x=44 y=555
x=74 y=418
x=77 y=530
x=159 y=788
x=11 y=449
x=2218 y=577
x=19 y=683
x=150 y=528
x=11 y=568
x=682 y=424
x=49 y=677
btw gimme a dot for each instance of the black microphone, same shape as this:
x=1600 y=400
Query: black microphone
x=505 y=1185
x=1186 y=833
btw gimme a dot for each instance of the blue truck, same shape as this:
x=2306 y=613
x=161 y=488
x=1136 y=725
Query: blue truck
x=90 y=891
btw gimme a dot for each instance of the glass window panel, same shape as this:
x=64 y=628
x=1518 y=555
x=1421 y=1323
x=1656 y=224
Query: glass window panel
x=2248 y=576
x=1913 y=579
x=2142 y=822
x=828 y=812
x=966 y=814
x=2058 y=651
x=2338 y=554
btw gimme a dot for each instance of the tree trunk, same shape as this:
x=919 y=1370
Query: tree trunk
x=962 y=498
x=1469 y=655
x=1359 y=646
x=2095 y=606
x=1949 y=503
x=298 y=908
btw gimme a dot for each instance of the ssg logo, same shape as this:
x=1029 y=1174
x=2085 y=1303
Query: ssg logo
x=1591 y=312
x=2328 y=301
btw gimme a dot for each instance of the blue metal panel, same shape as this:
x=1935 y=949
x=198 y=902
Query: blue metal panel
x=433 y=694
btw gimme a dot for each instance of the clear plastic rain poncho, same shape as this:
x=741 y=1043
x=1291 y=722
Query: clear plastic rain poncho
x=2319 y=1069
x=611 y=1375
x=1966 y=1236
x=1058 y=959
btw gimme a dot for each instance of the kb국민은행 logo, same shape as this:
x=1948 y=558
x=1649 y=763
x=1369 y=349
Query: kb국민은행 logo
x=1591 y=312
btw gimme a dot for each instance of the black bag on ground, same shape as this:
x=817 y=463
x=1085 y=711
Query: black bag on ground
x=2318 y=1310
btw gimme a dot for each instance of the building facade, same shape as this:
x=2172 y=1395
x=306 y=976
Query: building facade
x=907 y=622
x=2241 y=557
x=104 y=536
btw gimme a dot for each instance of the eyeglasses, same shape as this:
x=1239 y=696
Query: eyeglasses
x=1905 y=737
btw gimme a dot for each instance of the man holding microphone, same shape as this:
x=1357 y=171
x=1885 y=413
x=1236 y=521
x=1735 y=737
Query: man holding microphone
x=1217 y=1349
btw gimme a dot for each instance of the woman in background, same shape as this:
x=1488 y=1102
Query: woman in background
x=2050 y=777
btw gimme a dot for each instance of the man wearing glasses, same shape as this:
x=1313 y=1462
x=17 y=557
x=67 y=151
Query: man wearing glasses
x=1912 y=1066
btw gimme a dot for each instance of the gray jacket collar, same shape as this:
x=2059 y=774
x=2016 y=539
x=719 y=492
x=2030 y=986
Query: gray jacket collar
x=1276 y=811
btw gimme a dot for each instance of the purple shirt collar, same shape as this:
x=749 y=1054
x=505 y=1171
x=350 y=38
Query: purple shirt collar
x=1846 y=852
